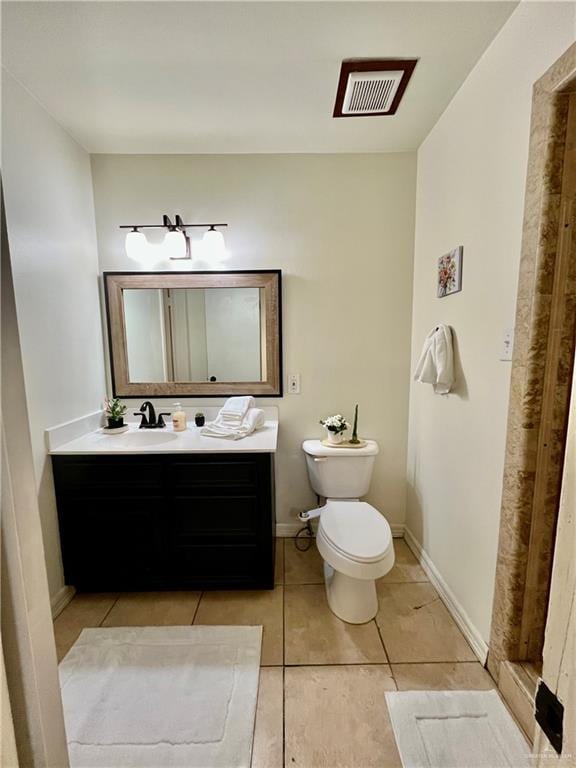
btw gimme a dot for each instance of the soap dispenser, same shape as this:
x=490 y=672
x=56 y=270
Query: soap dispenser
x=178 y=418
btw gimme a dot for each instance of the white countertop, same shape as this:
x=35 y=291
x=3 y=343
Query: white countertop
x=145 y=441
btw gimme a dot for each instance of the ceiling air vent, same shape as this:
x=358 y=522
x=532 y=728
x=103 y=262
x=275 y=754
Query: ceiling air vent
x=372 y=86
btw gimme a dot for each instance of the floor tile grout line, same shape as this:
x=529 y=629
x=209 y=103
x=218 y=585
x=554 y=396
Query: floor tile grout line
x=108 y=612
x=283 y=625
x=420 y=663
x=197 y=607
x=382 y=640
x=337 y=664
x=369 y=663
x=283 y=715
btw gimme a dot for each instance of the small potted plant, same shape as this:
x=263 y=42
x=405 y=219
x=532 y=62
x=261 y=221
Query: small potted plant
x=114 y=412
x=335 y=427
x=199 y=419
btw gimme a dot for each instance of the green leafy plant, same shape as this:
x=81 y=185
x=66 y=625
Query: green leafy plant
x=114 y=408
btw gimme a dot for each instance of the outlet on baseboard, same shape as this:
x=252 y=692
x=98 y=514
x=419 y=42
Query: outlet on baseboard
x=549 y=714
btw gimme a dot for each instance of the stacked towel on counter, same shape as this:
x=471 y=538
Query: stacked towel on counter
x=235 y=409
x=436 y=363
x=229 y=425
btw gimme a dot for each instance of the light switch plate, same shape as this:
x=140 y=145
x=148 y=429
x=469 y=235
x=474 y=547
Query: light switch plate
x=294 y=384
x=507 y=345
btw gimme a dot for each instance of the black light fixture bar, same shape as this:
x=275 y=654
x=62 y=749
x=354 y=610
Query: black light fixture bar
x=167 y=226
x=178 y=224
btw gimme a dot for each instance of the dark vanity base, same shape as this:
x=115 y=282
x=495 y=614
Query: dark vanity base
x=166 y=521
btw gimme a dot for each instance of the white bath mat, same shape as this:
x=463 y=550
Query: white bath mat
x=151 y=697
x=455 y=729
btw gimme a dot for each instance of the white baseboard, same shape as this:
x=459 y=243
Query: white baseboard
x=470 y=632
x=60 y=600
x=289 y=530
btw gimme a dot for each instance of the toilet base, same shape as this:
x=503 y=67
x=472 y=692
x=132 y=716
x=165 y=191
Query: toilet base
x=352 y=600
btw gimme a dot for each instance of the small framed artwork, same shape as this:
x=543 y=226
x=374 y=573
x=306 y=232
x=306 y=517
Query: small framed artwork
x=450 y=272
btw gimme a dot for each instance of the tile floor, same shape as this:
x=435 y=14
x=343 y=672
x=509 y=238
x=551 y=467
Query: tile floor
x=321 y=700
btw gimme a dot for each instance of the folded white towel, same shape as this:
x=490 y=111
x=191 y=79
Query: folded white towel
x=235 y=408
x=253 y=420
x=436 y=363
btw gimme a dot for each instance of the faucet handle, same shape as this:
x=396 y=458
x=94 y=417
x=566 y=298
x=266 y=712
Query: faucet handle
x=144 y=422
x=161 y=423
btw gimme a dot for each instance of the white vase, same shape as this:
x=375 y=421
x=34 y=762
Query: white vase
x=335 y=437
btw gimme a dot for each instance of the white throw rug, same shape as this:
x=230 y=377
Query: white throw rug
x=455 y=729
x=158 y=697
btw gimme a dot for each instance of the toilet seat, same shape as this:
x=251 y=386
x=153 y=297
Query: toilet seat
x=355 y=540
x=355 y=530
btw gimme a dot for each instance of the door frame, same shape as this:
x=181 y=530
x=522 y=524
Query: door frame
x=541 y=376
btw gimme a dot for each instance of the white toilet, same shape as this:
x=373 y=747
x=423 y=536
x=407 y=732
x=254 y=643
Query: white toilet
x=354 y=539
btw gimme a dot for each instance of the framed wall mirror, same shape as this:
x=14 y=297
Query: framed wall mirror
x=205 y=334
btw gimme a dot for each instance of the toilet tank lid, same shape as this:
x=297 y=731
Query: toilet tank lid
x=317 y=448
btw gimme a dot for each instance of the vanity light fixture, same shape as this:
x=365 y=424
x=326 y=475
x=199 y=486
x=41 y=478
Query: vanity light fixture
x=136 y=245
x=214 y=245
x=176 y=243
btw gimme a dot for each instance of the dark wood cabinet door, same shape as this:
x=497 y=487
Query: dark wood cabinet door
x=111 y=543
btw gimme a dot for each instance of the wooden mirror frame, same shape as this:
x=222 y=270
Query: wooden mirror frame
x=270 y=280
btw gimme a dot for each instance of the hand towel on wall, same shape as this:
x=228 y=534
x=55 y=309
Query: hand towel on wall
x=436 y=363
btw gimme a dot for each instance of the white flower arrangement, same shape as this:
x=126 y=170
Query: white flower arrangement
x=336 y=423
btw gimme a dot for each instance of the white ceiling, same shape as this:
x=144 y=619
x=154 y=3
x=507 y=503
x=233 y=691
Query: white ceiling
x=219 y=77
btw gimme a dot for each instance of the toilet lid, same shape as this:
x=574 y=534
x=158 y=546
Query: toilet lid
x=356 y=529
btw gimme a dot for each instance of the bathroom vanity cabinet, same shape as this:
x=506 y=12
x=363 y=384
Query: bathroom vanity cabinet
x=166 y=521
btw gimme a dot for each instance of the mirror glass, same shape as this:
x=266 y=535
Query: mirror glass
x=193 y=334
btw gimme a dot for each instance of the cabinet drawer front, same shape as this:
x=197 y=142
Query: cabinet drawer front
x=218 y=516
x=213 y=473
x=104 y=475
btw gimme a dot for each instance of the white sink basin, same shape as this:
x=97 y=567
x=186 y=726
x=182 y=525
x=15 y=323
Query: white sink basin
x=141 y=438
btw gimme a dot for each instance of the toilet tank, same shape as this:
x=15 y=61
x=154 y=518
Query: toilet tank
x=340 y=473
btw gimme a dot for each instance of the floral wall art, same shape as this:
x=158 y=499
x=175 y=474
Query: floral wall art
x=450 y=272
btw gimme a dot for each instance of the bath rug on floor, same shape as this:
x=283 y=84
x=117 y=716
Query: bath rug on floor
x=145 y=697
x=455 y=729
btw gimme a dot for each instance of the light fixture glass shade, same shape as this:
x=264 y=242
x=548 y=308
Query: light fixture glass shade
x=175 y=245
x=137 y=246
x=214 y=246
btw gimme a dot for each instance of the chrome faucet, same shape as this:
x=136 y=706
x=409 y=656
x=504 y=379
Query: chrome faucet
x=150 y=422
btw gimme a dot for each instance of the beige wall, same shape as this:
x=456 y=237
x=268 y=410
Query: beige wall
x=27 y=647
x=341 y=228
x=470 y=192
x=50 y=222
x=8 y=754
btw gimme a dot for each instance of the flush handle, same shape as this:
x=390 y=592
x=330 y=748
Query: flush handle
x=319 y=458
